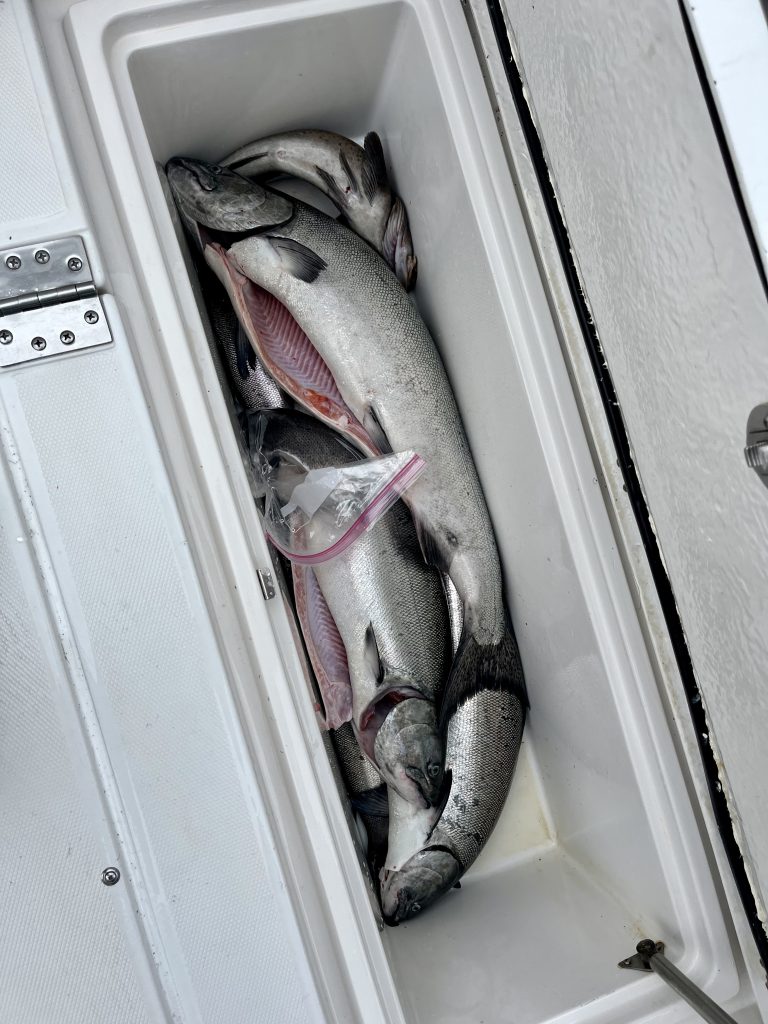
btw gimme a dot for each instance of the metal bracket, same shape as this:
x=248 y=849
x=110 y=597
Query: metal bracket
x=650 y=957
x=267 y=583
x=48 y=302
x=641 y=960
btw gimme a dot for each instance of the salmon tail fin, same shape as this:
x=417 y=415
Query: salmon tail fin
x=484 y=667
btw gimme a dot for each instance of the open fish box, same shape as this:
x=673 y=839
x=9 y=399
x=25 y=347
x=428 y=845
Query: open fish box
x=598 y=844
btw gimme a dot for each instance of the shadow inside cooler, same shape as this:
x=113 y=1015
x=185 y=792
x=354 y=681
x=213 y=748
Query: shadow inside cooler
x=572 y=876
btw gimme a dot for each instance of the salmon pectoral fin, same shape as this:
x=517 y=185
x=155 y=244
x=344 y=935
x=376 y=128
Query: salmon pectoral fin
x=324 y=645
x=333 y=189
x=374 y=429
x=437 y=552
x=397 y=224
x=297 y=259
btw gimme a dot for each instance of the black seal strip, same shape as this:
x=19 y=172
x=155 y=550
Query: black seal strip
x=631 y=479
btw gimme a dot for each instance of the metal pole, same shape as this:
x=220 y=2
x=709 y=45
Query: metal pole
x=650 y=957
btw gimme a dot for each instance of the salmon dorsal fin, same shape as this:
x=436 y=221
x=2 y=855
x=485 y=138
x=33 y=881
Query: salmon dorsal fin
x=374 y=173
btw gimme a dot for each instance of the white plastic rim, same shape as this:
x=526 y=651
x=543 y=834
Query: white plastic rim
x=587 y=666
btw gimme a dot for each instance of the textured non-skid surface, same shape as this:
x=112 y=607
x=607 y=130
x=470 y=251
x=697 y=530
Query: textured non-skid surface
x=66 y=958
x=29 y=183
x=161 y=694
x=682 y=317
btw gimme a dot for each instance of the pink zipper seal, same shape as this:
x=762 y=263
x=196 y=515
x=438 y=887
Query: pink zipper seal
x=379 y=506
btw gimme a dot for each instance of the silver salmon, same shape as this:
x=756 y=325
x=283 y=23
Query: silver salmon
x=353 y=177
x=389 y=609
x=482 y=733
x=230 y=206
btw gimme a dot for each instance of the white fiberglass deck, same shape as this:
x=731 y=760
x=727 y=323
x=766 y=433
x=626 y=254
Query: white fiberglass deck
x=597 y=845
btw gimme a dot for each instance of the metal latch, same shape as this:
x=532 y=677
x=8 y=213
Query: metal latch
x=48 y=302
x=756 y=450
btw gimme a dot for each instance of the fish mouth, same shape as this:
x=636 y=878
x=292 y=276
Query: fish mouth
x=221 y=239
x=430 y=794
x=204 y=178
x=373 y=715
x=425 y=797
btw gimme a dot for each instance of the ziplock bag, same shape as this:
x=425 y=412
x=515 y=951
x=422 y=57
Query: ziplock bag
x=312 y=515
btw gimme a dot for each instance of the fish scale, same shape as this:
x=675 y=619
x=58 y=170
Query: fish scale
x=357 y=771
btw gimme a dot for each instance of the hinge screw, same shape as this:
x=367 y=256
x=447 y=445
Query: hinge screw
x=91 y=316
x=67 y=337
x=5 y=337
x=12 y=262
x=110 y=876
x=42 y=256
x=38 y=344
x=75 y=263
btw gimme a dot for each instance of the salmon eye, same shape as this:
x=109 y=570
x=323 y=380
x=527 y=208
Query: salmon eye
x=415 y=908
x=434 y=770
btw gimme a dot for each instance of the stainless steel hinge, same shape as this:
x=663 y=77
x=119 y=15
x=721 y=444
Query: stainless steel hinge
x=48 y=302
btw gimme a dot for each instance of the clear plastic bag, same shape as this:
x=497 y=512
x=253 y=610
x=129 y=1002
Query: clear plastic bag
x=312 y=515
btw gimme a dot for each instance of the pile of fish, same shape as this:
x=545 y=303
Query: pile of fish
x=407 y=629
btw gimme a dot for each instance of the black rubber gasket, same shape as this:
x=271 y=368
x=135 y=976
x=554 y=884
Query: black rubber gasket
x=629 y=472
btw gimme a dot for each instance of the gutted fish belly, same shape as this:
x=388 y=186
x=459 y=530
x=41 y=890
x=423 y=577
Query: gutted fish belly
x=286 y=352
x=324 y=646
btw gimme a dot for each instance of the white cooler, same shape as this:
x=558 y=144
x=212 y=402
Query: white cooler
x=154 y=711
